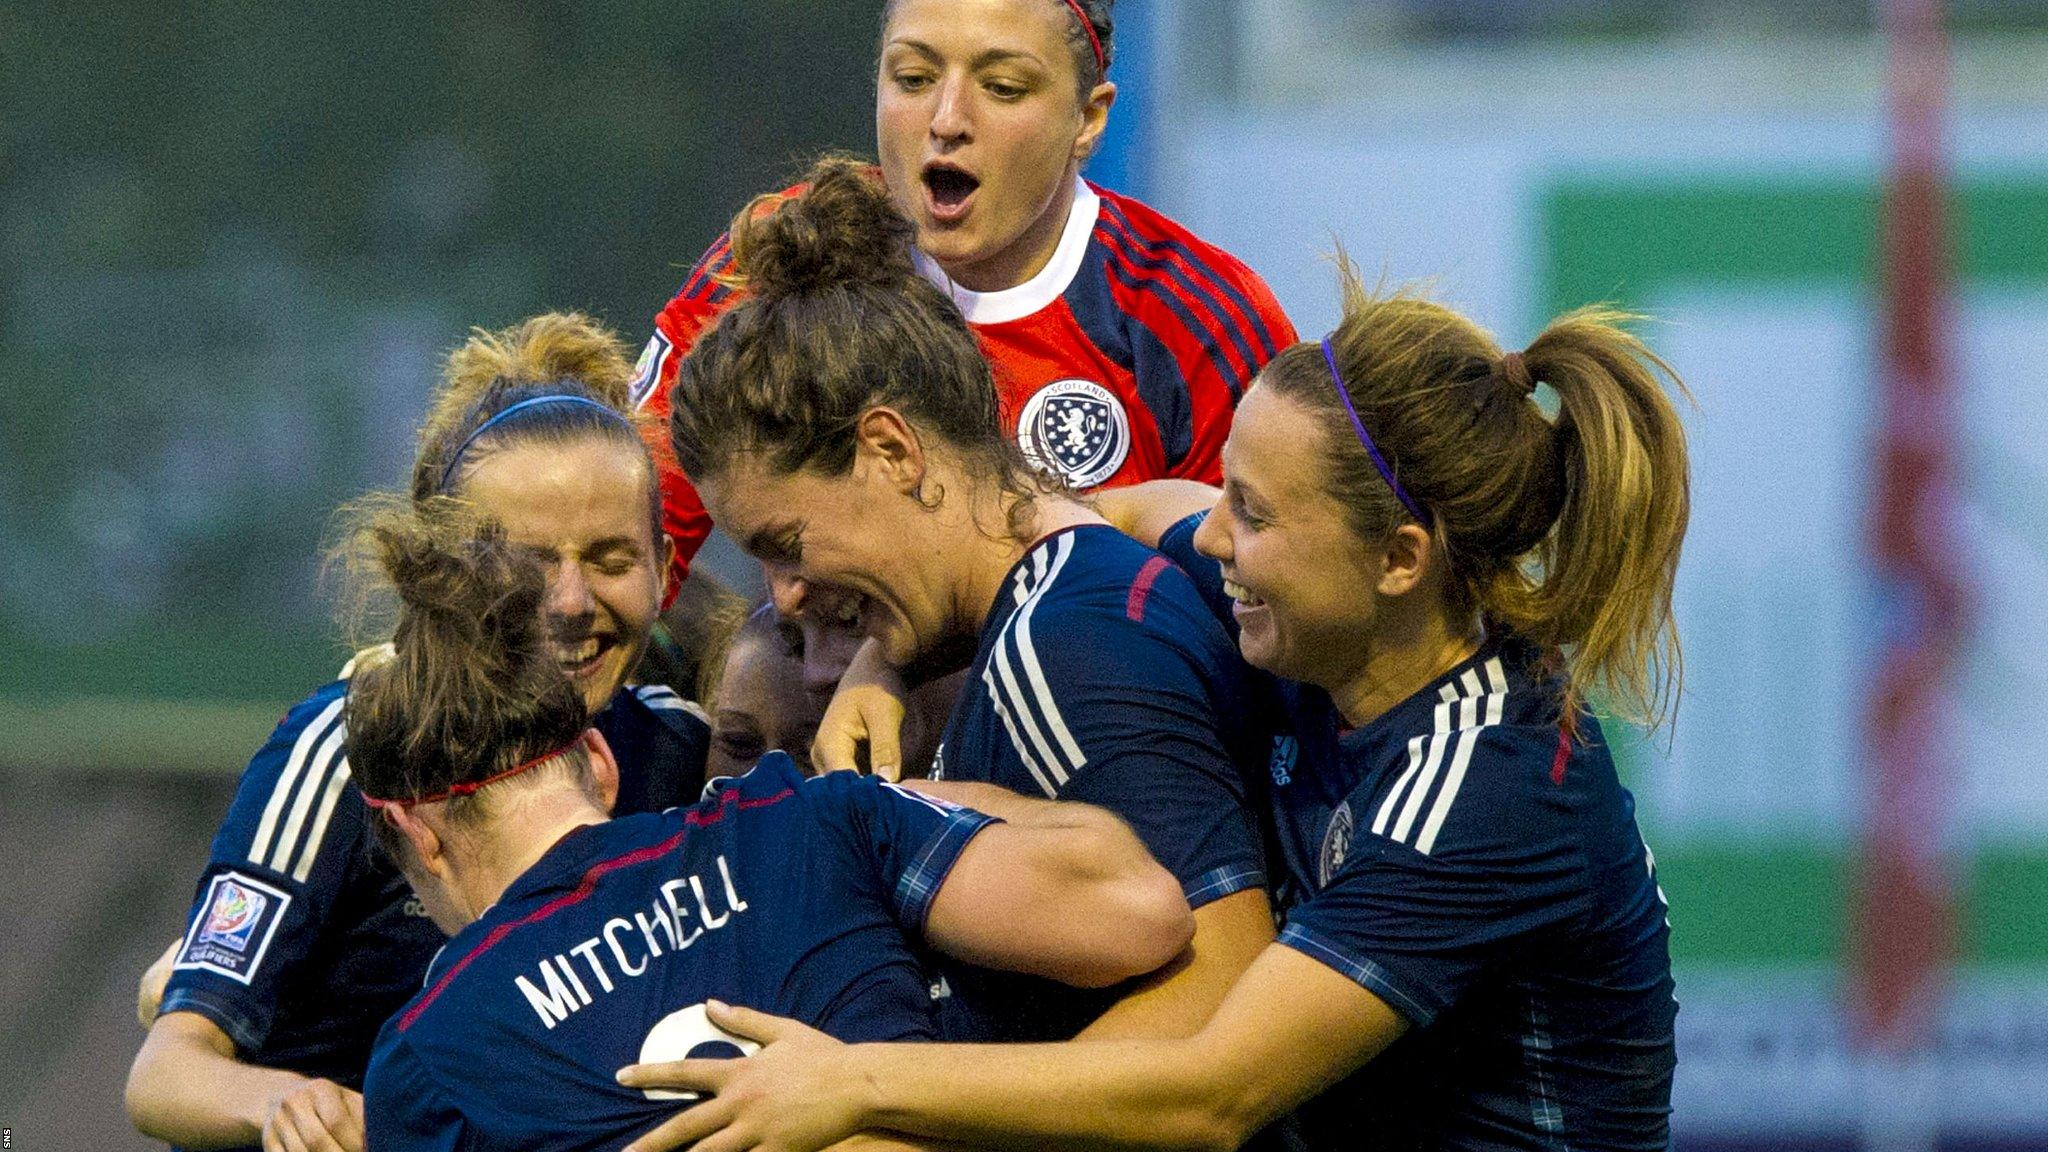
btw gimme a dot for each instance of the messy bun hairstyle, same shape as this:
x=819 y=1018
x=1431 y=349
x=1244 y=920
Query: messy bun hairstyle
x=555 y=354
x=470 y=687
x=836 y=321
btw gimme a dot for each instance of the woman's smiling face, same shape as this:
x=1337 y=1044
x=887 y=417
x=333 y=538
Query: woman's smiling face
x=1303 y=582
x=582 y=511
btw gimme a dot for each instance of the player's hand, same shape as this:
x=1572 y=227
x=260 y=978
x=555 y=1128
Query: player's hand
x=791 y=1096
x=317 y=1116
x=149 y=994
x=862 y=728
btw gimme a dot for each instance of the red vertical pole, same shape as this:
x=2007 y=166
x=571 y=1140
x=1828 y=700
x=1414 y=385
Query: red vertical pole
x=1904 y=923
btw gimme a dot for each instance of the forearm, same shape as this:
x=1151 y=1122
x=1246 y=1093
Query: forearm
x=1180 y=998
x=1135 y=1094
x=188 y=1091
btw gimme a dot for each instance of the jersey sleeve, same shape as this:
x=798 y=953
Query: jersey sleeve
x=1417 y=916
x=911 y=840
x=405 y=1109
x=1178 y=545
x=279 y=863
x=695 y=307
x=1129 y=715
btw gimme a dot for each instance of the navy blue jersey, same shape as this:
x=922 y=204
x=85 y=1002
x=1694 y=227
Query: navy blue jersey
x=1103 y=677
x=1465 y=861
x=804 y=898
x=303 y=936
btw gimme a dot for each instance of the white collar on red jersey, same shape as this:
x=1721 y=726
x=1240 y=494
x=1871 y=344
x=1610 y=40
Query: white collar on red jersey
x=1037 y=292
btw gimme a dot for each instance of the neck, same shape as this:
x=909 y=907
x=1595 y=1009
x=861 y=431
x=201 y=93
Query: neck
x=1024 y=257
x=983 y=580
x=1400 y=663
x=514 y=842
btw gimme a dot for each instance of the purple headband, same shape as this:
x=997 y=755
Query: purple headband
x=1365 y=438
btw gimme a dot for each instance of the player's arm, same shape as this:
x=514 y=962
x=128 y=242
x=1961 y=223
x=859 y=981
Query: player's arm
x=1175 y=1000
x=281 y=879
x=1290 y=1028
x=1145 y=511
x=1064 y=891
x=186 y=1087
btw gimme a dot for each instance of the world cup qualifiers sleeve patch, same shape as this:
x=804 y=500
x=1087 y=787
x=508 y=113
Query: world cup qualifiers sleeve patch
x=234 y=927
x=647 y=373
x=1076 y=428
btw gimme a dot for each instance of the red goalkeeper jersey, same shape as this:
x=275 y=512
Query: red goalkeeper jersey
x=1121 y=361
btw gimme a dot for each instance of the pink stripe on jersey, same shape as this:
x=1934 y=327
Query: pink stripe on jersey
x=1141 y=588
x=585 y=887
x=1564 y=753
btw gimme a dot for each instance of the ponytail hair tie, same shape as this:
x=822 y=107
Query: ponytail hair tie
x=1515 y=372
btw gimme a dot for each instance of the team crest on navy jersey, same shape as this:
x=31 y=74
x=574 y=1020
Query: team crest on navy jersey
x=1077 y=428
x=234 y=927
x=1336 y=842
x=647 y=372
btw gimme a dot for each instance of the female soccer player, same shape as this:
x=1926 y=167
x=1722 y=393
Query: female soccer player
x=302 y=939
x=580 y=943
x=1478 y=958
x=1120 y=341
x=843 y=427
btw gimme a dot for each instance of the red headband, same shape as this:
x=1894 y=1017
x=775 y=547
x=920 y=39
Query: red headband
x=1101 y=69
x=473 y=785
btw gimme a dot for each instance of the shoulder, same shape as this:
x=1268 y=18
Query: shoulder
x=1146 y=239
x=1095 y=583
x=1479 y=781
x=294 y=783
x=664 y=701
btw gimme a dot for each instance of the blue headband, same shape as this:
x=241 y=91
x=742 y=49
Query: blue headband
x=455 y=460
x=1378 y=461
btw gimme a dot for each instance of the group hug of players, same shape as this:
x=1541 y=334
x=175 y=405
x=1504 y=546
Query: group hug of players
x=1273 y=814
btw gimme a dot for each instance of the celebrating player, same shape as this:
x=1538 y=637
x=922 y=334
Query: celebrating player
x=302 y=939
x=1120 y=341
x=1480 y=955
x=843 y=427
x=582 y=943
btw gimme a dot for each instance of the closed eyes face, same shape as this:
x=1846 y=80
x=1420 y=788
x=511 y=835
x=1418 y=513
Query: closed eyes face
x=840 y=548
x=582 y=511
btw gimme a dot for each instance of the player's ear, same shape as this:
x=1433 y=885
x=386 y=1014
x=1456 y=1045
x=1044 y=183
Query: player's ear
x=604 y=769
x=1405 y=560
x=420 y=837
x=885 y=442
x=1094 y=120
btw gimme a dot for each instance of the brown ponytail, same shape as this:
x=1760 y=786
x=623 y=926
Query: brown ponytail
x=471 y=687
x=1565 y=529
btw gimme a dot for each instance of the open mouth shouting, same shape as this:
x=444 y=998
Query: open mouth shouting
x=948 y=190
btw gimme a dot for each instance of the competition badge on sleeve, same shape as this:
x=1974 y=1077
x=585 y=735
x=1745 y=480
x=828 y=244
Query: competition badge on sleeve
x=1076 y=428
x=647 y=373
x=234 y=927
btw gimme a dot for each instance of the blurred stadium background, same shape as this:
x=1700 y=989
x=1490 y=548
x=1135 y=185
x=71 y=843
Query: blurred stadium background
x=234 y=238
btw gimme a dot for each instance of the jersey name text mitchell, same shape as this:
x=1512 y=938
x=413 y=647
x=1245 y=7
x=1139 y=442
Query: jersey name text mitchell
x=631 y=944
